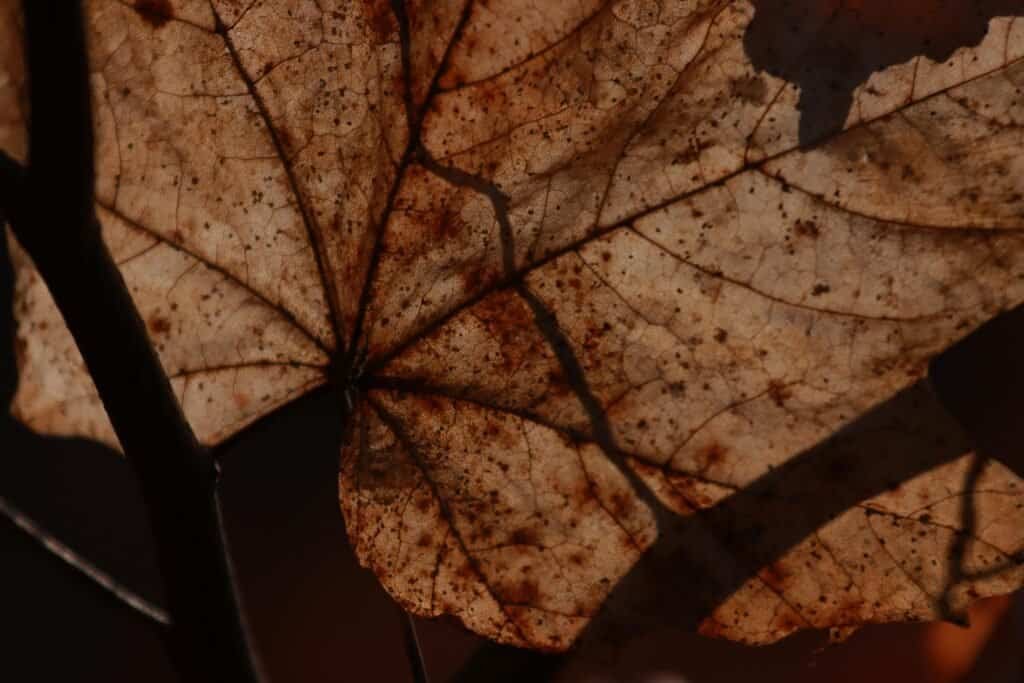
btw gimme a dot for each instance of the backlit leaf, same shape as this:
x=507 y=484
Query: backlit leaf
x=600 y=280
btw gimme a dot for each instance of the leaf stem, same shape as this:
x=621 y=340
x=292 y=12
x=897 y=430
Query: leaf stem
x=50 y=209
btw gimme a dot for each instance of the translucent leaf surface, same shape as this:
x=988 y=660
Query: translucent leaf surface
x=583 y=267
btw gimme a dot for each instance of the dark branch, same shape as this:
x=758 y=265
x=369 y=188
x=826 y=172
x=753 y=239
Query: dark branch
x=50 y=210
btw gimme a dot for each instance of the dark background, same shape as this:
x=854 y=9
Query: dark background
x=318 y=616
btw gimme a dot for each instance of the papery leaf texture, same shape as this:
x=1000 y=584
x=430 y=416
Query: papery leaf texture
x=607 y=285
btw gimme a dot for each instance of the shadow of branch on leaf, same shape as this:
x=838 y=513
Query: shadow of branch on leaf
x=702 y=558
x=829 y=48
x=714 y=550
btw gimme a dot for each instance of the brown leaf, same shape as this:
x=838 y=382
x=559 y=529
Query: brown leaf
x=602 y=278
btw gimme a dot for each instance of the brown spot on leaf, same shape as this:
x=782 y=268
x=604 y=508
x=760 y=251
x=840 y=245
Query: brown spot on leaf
x=510 y=321
x=779 y=393
x=446 y=225
x=522 y=592
x=381 y=19
x=158 y=324
x=156 y=13
x=501 y=434
x=805 y=228
x=711 y=456
x=524 y=536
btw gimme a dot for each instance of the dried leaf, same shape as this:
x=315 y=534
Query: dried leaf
x=601 y=280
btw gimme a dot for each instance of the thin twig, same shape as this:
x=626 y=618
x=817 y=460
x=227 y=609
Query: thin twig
x=54 y=546
x=413 y=649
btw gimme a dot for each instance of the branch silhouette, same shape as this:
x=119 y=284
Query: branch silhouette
x=208 y=637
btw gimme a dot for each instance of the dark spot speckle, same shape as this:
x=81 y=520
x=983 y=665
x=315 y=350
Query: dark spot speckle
x=156 y=13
